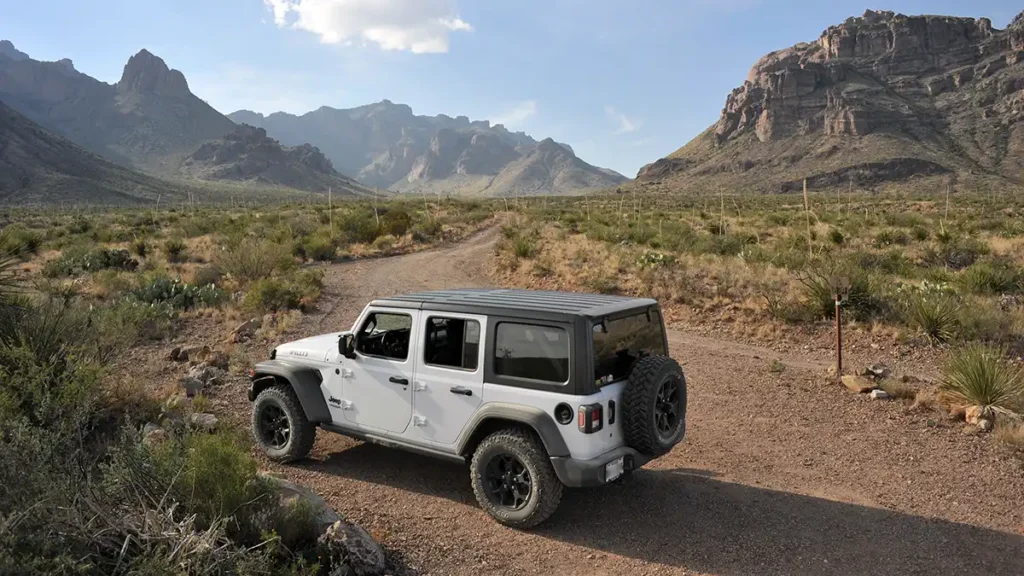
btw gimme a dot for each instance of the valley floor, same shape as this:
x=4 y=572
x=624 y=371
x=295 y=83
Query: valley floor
x=781 y=472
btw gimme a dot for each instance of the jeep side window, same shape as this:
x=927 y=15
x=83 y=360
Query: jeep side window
x=530 y=351
x=386 y=335
x=452 y=342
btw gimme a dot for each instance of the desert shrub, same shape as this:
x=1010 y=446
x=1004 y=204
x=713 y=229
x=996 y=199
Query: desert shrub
x=140 y=247
x=654 y=259
x=396 y=222
x=178 y=294
x=983 y=320
x=891 y=237
x=835 y=236
x=359 y=227
x=954 y=254
x=84 y=261
x=993 y=276
x=889 y=262
x=863 y=301
x=175 y=250
x=919 y=233
x=384 y=243
x=932 y=309
x=978 y=375
x=20 y=241
x=271 y=294
x=253 y=260
x=318 y=248
x=523 y=246
x=207 y=276
x=309 y=283
x=427 y=230
x=123 y=324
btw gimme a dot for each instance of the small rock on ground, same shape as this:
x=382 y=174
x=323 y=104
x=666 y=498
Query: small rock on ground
x=879 y=394
x=346 y=543
x=204 y=421
x=858 y=384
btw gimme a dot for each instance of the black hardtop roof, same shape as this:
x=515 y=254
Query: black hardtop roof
x=539 y=302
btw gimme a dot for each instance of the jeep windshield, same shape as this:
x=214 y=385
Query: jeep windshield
x=620 y=342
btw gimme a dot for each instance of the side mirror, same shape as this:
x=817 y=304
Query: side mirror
x=347 y=346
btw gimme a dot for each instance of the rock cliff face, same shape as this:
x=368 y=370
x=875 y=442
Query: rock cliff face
x=881 y=92
x=385 y=145
x=148 y=120
x=248 y=155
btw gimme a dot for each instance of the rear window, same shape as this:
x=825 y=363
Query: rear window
x=531 y=351
x=620 y=342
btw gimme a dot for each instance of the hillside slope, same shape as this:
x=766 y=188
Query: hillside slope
x=248 y=155
x=37 y=166
x=385 y=145
x=878 y=98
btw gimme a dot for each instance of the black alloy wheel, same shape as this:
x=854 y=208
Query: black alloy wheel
x=508 y=482
x=666 y=410
x=273 y=427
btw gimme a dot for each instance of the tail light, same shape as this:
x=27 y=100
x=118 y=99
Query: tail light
x=591 y=418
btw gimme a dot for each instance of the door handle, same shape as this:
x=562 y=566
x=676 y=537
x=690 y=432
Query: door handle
x=397 y=380
x=461 y=391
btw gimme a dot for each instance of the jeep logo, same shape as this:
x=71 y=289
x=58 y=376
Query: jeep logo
x=334 y=401
x=298 y=353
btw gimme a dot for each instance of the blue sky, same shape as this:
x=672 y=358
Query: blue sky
x=623 y=81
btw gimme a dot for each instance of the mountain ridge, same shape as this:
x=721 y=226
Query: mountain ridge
x=879 y=98
x=386 y=145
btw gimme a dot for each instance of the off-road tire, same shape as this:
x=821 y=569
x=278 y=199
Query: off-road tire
x=639 y=400
x=302 y=432
x=546 y=489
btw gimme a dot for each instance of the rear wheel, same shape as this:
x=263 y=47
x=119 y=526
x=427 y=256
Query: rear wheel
x=654 y=406
x=513 y=479
x=279 y=425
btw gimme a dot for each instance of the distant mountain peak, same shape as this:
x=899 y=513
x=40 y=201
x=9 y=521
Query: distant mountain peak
x=7 y=49
x=148 y=73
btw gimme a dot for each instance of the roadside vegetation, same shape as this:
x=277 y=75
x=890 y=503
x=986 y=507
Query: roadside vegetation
x=103 y=472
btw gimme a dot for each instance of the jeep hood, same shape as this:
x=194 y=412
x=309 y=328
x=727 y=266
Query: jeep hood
x=320 y=348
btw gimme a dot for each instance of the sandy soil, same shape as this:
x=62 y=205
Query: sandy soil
x=780 y=472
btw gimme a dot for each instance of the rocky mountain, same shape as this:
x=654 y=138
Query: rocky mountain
x=385 y=145
x=247 y=154
x=878 y=98
x=38 y=166
x=151 y=121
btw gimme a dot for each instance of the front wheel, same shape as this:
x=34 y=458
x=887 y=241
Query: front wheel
x=280 y=426
x=513 y=479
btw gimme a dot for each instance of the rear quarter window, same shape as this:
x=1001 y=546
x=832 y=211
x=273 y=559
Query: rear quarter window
x=531 y=351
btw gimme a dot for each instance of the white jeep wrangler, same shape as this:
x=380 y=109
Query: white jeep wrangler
x=536 y=390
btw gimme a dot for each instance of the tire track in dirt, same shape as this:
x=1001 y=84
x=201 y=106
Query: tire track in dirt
x=780 y=473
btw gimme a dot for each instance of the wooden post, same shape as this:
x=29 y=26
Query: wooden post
x=807 y=212
x=839 y=341
x=330 y=210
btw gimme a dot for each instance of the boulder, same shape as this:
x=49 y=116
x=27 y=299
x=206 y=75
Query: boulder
x=153 y=435
x=245 y=330
x=976 y=414
x=878 y=371
x=858 y=384
x=291 y=494
x=186 y=353
x=192 y=386
x=204 y=421
x=344 y=543
x=207 y=375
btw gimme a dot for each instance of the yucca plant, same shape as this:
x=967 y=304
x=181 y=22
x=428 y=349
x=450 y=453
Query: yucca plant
x=935 y=315
x=978 y=375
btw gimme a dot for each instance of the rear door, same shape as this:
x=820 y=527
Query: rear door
x=449 y=375
x=378 y=383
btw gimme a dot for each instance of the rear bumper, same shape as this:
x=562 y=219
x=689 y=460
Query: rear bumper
x=589 y=473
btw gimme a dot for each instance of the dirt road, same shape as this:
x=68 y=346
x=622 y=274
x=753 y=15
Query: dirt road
x=780 y=473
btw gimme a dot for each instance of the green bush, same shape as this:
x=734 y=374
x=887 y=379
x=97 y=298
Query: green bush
x=862 y=301
x=254 y=260
x=934 y=315
x=396 y=222
x=272 y=294
x=207 y=276
x=995 y=276
x=20 y=241
x=978 y=375
x=426 y=231
x=318 y=248
x=175 y=250
x=524 y=247
x=359 y=227
x=84 y=261
x=835 y=236
x=140 y=247
x=178 y=294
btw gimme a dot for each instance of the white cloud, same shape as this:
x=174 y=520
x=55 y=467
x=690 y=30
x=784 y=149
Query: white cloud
x=624 y=123
x=417 y=26
x=514 y=116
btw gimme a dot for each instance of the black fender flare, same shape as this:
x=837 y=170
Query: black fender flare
x=305 y=382
x=500 y=412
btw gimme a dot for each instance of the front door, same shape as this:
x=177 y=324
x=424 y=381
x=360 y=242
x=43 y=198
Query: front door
x=378 y=390
x=449 y=375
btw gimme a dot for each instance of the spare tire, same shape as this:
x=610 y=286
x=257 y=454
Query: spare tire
x=654 y=406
